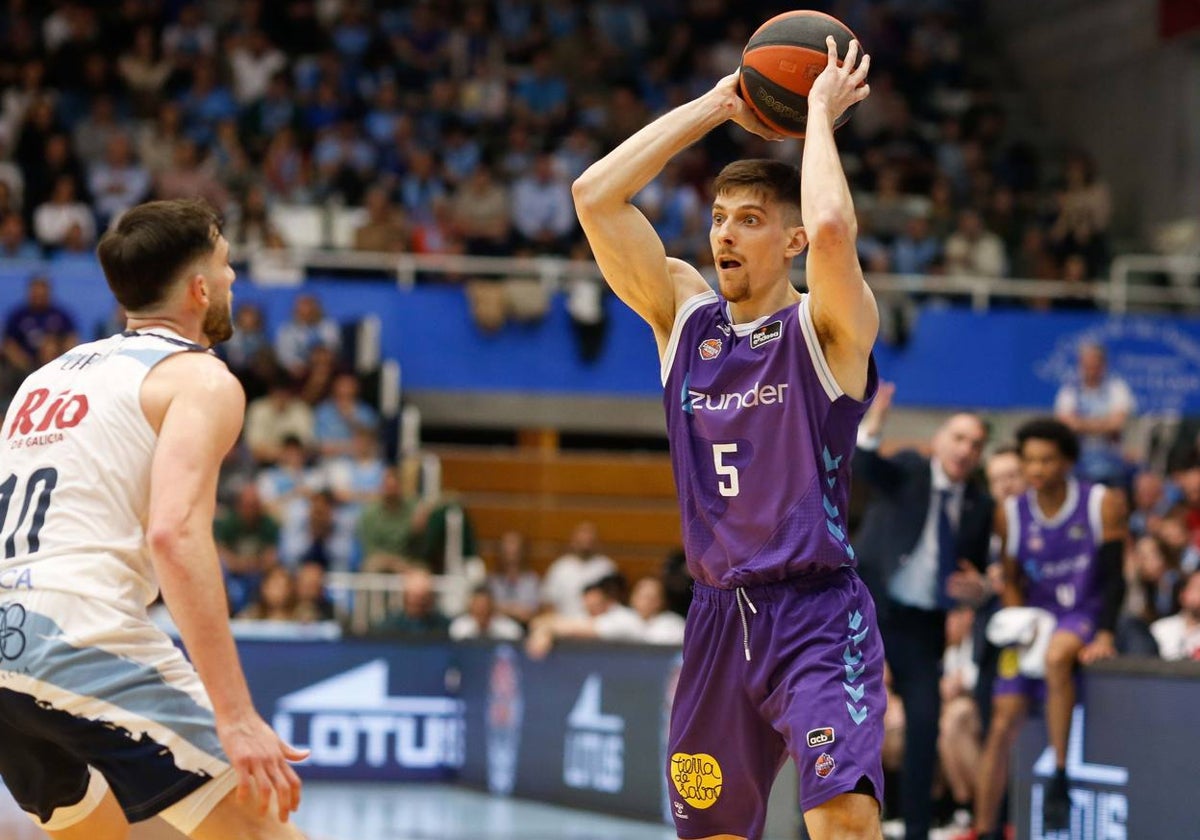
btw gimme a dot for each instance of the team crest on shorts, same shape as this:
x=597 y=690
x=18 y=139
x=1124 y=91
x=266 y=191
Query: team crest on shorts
x=698 y=778
x=824 y=765
x=710 y=348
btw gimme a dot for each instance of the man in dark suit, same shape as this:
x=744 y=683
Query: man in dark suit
x=923 y=548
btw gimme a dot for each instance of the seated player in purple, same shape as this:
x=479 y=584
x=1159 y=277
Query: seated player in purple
x=763 y=389
x=1062 y=542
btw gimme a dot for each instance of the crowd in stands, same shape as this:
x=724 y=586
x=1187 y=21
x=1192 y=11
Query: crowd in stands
x=309 y=490
x=459 y=126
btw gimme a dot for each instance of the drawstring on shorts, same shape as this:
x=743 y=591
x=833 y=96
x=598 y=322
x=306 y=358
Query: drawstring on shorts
x=740 y=596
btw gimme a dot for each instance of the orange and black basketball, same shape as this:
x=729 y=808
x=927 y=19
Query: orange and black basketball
x=781 y=61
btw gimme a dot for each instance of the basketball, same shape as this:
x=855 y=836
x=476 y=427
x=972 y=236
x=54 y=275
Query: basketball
x=781 y=60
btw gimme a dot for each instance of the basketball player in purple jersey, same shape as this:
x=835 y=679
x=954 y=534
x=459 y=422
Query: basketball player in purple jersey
x=1062 y=542
x=763 y=389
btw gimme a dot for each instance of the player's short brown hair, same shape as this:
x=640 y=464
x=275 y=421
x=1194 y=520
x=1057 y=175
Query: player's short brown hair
x=152 y=243
x=774 y=180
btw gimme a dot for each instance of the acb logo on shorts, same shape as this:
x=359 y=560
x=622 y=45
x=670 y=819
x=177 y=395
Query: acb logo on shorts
x=821 y=737
x=698 y=778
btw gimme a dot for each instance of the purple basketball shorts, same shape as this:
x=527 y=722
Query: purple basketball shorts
x=812 y=688
x=1009 y=680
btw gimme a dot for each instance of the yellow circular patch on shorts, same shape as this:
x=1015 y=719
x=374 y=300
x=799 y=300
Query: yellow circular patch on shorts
x=1010 y=663
x=697 y=778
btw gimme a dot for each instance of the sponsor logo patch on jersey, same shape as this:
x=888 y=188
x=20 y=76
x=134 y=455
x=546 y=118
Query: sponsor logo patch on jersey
x=765 y=333
x=821 y=737
x=824 y=765
x=1076 y=532
x=710 y=348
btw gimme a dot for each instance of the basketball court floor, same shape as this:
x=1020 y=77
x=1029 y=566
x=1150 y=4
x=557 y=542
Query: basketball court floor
x=364 y=811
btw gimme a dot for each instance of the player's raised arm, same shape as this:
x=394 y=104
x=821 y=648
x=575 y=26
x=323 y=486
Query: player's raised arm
x=843 y=306
x=624 y=243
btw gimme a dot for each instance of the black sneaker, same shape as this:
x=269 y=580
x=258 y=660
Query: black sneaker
x=1056 y=808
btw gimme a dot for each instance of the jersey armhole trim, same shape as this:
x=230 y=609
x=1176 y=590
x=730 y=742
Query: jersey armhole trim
x=685 y=311
x=1096 y=511
x=820 y=365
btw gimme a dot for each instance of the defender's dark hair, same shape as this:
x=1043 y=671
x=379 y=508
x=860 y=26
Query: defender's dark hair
x=152 y=243
x=775 y=180
x=1054 y=431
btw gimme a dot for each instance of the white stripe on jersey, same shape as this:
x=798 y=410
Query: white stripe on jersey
x=684 y=312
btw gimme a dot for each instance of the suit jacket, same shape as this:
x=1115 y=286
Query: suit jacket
x=900 y=491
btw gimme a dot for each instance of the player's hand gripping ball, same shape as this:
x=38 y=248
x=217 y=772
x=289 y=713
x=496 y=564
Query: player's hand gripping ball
x=781 y=61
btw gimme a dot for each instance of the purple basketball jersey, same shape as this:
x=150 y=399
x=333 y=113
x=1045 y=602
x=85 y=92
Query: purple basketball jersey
x=1057 y=556
x=761 y=440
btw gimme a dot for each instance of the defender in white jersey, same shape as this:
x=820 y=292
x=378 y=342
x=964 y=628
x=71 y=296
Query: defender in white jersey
x=108 y=467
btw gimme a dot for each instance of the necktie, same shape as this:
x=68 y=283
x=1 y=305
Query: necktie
x=946 y=550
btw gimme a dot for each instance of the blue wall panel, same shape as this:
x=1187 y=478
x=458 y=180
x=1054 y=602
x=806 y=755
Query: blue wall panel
x=997 y=360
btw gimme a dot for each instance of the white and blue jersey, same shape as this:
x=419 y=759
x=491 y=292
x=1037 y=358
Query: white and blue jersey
x=92 y=695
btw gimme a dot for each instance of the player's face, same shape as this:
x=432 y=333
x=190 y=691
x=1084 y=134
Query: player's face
x=1189 y=597
x=1043 y=465
x=218 y=318
x=752 y=244
x=1004 y=476
x=958 y=446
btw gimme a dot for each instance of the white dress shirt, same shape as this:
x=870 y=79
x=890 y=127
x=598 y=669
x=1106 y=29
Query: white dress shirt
x=914 y=583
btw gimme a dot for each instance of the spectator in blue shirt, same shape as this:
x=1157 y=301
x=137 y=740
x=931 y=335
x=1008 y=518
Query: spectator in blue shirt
x=37 y=331
x=542 y=95
x=309 y=328
x=341 y=416
x=14 y=243
x=916 y=250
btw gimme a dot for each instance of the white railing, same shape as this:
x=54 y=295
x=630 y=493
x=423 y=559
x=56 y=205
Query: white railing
x=364 y=599
x=1182 y=272
x=1117 y=294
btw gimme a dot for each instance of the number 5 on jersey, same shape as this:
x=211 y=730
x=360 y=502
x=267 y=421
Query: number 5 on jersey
x=727 y=474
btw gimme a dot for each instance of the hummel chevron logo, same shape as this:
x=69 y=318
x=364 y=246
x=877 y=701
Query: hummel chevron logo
x=830 y=508
x=838 y=533
x=851 y=658
x=831 y=463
